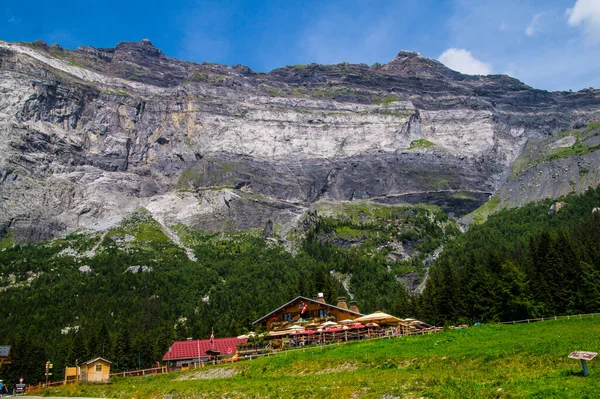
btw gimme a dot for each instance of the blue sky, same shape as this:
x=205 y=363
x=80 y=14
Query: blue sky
x=548 y=44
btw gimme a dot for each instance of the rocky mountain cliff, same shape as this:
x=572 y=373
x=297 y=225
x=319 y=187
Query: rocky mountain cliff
x=89 y=136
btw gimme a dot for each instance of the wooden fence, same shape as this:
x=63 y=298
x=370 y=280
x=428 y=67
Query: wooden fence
x=579 y=316
x=136 y=373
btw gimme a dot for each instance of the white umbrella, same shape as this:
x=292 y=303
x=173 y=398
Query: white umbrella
x=329 y=324
x=296 y=328
x=379 y=317
x=246 y=336
x=280 y=333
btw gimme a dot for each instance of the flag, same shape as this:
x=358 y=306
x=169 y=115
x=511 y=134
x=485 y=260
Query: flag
x=303 y=311
x=212 y=337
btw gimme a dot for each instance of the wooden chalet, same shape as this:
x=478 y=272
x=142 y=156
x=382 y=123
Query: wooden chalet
x=183 y=353
x=5 y=356
x=95 y=370
x=315 y=311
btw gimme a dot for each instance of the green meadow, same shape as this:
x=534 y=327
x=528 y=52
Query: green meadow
x=488 y=361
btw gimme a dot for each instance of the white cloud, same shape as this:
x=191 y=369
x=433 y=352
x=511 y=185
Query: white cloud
x=463 y=61
x=533 y=25
x=558 y=59
x=586 y=13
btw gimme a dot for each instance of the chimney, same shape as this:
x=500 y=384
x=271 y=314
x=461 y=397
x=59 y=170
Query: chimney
x=320 y=298
x=342 y=303
x=354 y=307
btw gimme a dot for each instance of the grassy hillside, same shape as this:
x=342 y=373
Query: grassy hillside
x=493 y=361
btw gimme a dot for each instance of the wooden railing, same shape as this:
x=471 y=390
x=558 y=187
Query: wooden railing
x=578 y=316
x=136 y=373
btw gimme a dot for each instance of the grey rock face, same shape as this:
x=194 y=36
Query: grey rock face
x=553 y=167
x=88 y=136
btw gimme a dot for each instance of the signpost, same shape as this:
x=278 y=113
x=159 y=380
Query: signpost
x=583 y=356
x=48 y=373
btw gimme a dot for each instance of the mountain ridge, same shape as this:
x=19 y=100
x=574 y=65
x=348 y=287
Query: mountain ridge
x=90 y=135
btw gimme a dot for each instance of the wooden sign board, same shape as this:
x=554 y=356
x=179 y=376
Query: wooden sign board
x=583 y=355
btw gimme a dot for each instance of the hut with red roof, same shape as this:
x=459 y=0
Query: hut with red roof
x=183 y=353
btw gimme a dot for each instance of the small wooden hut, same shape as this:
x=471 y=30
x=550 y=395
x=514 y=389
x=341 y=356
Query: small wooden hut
x=95 y=370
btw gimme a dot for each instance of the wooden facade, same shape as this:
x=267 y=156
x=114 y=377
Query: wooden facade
x=95 y=370
x=317 y=311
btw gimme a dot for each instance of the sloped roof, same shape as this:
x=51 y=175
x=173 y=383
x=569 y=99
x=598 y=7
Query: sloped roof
x=97 y=359
x=4 y=350
x=197 y=348
x=308 y=300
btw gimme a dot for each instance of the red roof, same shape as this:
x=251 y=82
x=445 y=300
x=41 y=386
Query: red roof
x=197 y=348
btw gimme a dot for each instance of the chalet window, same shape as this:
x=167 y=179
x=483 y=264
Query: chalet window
x=322 y=312
x=287 y=317
x=98 y=367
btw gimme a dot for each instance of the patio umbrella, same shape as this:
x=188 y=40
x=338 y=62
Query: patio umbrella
x=347 y=321
x=282 y=333
x=329 y=324
x=371 y=326
x=296 y=328
x=379 y=317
